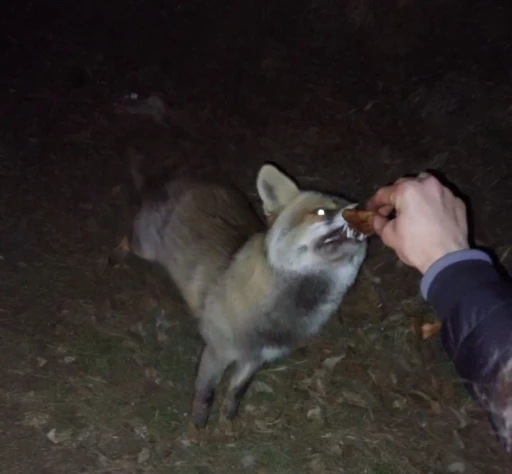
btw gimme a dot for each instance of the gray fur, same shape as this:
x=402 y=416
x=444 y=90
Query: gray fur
x=286 y=324
x=257 y=293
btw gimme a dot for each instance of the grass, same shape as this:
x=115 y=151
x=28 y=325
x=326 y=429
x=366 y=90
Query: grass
x=101 y=355
x=384 y=468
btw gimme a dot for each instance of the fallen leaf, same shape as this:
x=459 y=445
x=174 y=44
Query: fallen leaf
x=318 y=378
x=140 y=429
x=462 y=418
x=103 y=460
x=335 y=449
x=399 y=404
x=435 y=407
x=248 y=461
x=262 y=387
x=51 y=435
x=314 y=413
x=434 y=382
x=317 y=465
x=261 y=425
x=429 y=330
x=56 y=438
x=353 y=399
x=330 y=362
x=143 y=456
x=457 y=466
x=458 y=440
x=152 y=374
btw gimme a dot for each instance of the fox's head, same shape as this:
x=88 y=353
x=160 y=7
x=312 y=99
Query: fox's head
x=306 y=229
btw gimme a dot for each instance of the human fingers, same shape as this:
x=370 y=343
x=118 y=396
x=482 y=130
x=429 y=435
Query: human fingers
x=383 y=197
x=385 y=211
x=388 y=232
x=402 y=180
x=384 y=200
x=379 y=222
x=461 y=215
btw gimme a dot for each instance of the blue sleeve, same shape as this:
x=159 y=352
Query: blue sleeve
x=474 y=303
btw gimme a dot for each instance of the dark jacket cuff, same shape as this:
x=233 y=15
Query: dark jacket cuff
x=450 y=259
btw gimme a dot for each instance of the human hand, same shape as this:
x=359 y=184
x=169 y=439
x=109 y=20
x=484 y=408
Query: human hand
x=430 y=221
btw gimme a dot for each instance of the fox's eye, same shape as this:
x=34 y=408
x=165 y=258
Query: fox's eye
x=320 y=212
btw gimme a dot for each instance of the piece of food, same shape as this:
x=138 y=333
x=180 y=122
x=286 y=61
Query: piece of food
x=359 y=220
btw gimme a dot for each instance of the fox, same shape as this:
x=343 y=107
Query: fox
x=258 y=284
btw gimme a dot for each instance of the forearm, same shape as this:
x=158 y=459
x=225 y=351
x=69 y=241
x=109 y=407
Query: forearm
x=474 y=304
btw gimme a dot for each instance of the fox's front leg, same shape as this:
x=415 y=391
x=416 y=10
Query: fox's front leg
x=211 y=367
x=243 y=374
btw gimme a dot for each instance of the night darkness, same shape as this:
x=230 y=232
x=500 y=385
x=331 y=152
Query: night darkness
x=345 y=96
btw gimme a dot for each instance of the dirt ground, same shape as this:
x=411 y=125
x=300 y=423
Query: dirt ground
x=98 y=362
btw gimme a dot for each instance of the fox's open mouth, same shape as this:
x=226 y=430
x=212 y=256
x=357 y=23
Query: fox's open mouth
x=338 y=237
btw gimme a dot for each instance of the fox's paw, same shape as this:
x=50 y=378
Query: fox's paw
x=230 y=409
x=201 y=412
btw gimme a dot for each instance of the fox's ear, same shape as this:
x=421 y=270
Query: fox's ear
x=276 y=190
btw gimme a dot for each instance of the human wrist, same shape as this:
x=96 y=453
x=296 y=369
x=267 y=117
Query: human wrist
x=438 y=253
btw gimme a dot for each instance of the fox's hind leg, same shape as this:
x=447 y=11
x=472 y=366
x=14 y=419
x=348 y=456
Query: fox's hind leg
x=211 y=367
x=243 y=374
